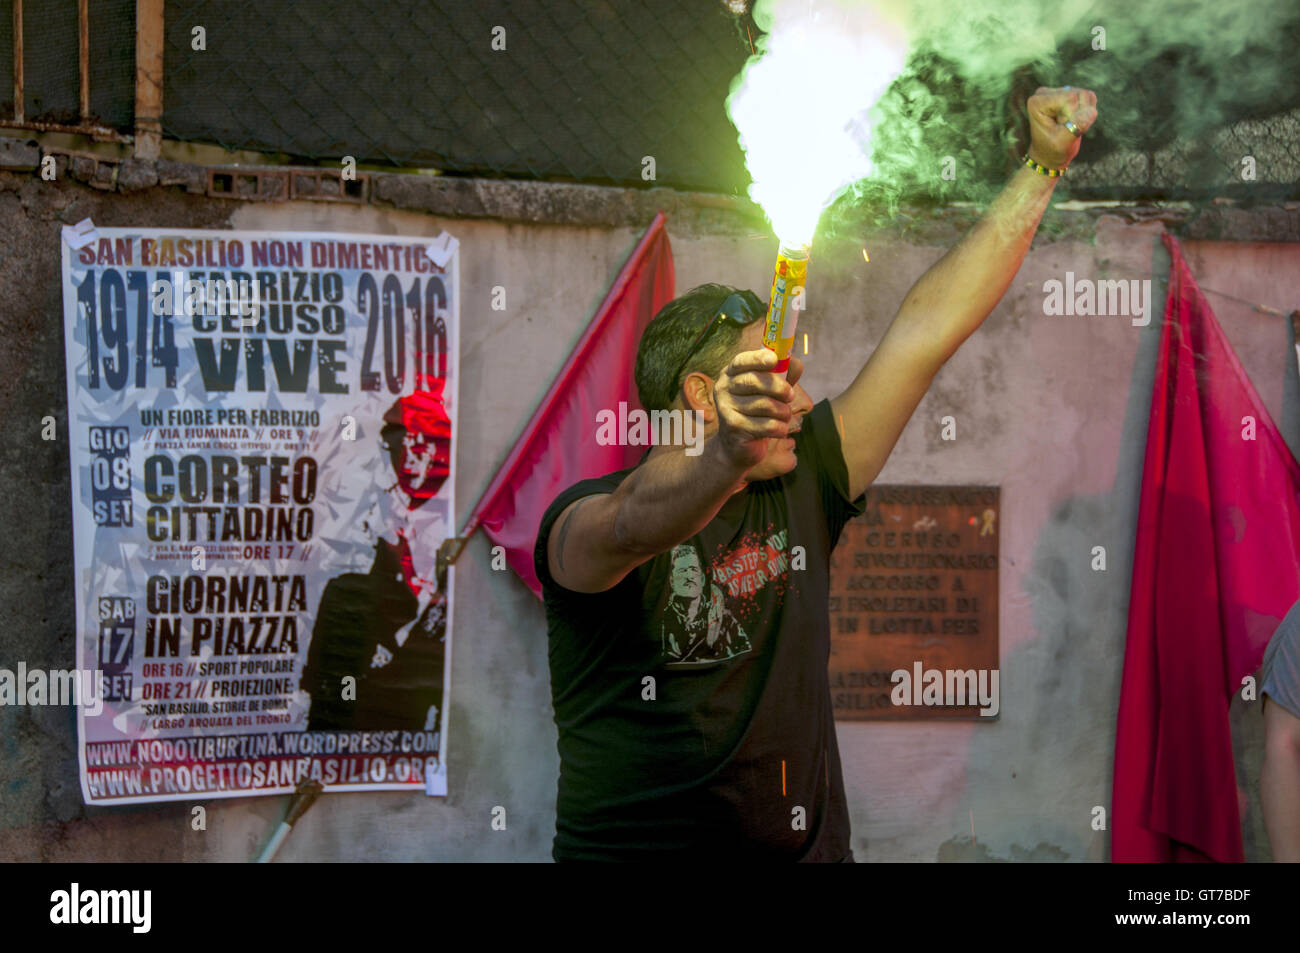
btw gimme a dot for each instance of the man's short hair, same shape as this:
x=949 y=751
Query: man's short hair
x=669 y=337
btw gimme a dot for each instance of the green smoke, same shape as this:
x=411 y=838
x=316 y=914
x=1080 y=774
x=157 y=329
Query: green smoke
x=1169 y=75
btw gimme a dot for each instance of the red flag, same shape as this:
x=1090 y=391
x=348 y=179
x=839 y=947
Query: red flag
x=1216 y=567
x=558 y=447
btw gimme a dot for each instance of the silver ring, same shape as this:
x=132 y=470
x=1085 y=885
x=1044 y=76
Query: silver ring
x=1069 y=124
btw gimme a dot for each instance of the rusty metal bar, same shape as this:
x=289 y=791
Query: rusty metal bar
x=18 y=60
x=99 y=133
x=83 y=55
x=148 y=78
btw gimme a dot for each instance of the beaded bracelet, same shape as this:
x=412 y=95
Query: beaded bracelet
x=1042 y=169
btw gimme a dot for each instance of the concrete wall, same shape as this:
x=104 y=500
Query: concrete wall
x=1052 y=409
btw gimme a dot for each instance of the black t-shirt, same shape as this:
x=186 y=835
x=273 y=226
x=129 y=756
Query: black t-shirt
x=736 y=754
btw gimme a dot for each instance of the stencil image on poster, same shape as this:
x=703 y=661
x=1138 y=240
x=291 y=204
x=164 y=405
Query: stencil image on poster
x=262 y=452
x=386 y=627
x=914 y=589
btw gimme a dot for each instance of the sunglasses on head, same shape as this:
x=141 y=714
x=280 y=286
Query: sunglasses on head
x=742 y=308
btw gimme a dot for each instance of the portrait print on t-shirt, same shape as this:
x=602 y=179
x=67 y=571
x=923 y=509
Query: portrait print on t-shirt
x=696 y=625
x=705 y=617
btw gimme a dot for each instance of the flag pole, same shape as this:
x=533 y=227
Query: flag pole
x=303 y=798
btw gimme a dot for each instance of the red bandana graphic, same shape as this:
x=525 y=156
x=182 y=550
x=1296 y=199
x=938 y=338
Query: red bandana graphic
x=418 y=433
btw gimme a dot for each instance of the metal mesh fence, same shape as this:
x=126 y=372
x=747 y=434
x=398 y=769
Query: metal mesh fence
x=51 y=68
x=573 y=90
x=1257 y=158
x=49 y=36
x=593 y=90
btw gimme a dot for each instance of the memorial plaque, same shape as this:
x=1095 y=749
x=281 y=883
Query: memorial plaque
x=914 y=588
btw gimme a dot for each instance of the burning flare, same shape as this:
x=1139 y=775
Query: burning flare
x=800 y=104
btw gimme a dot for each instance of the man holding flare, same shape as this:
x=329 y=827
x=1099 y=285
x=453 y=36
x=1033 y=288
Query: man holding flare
x=696 y=743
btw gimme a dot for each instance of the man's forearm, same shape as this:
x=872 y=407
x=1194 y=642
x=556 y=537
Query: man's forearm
x=962 y=288
x=672 y=496
x=1279 y=788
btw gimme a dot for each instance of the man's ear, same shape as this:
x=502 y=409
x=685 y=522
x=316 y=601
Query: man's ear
x=698 y=390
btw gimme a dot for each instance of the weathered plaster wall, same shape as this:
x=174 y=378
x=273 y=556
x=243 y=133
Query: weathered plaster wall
x=1053 y=409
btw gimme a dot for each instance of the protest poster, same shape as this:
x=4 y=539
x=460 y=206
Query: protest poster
x=262 y=432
